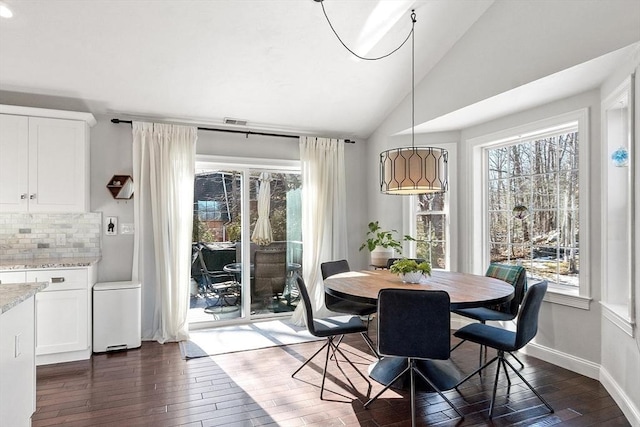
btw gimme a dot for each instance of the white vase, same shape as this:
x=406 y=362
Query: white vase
x=413 y=277
x=380 y=256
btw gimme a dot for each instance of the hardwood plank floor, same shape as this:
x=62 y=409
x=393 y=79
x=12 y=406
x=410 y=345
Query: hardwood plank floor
x=154 y=386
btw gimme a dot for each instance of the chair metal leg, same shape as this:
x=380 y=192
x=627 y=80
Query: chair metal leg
x=529 y=385
x=517 y=360
x=456 y=346
x=310 y=359
x=507 y=375
x=335 y=348
x=326 y=362
x=372 y=347
x=495 y=388
x=412 y=365
x=476 y=371
x=404 y=371
x=433 y=386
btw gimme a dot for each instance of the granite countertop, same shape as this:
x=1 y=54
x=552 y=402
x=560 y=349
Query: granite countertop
x=13 y=294
x=28 y=264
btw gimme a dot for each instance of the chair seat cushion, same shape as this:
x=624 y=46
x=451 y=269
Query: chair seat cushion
x=339 y=305
x=338 y=325
x=484 y=314
x=498 y=338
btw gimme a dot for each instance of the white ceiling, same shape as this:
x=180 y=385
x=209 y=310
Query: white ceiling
x=274 y=63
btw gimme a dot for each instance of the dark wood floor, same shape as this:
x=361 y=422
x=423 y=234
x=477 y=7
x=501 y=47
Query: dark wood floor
x=153 y=386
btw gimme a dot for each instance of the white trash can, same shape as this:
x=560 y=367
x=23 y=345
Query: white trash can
x=116 y=316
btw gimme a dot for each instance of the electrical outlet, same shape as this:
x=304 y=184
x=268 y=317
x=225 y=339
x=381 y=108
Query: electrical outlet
x=61 y=239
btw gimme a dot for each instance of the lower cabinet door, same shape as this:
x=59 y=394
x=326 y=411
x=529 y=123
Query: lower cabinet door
x=17 y=366
x=62 y=319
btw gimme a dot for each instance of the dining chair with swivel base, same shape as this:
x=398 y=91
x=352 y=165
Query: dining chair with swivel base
x=505 y=341
x=512 y=274
x=330 y=328
x=416 y=324
x=344 y=306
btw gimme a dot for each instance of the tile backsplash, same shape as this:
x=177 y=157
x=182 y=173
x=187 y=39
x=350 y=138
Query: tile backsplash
x=65 y=235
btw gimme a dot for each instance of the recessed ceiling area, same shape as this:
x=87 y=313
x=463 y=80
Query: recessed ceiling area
x=572 y=81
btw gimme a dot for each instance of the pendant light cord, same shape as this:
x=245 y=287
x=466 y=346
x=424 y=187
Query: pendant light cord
x=413 y=18
x=413 y=78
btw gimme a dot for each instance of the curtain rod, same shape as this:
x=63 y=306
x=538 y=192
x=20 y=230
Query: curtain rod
x=245 y=132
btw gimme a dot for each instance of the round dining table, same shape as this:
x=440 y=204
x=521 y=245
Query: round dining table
x=465 y=291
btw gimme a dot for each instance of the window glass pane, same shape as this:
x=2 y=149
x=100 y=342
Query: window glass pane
x=499 y=253
x=499 y=194
x=499 y=227
x=498 y=163
x=568 y=151
x=431 y=202
x=533 y=204
x=544 y=189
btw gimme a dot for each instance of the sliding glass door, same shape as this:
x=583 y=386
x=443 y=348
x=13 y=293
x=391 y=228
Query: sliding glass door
x=242 y=214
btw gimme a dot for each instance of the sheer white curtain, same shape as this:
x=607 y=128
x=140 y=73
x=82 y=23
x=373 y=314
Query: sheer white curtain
x=163 y=173
x=324 y=225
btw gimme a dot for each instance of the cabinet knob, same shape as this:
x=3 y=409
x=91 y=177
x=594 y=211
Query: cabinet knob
x=57 y=279
x=23 y=196
x=33 y=196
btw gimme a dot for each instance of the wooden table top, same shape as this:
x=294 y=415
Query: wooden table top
x=465 y=290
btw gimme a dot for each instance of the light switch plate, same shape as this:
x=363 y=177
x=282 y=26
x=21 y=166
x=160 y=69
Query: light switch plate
x=127 y=228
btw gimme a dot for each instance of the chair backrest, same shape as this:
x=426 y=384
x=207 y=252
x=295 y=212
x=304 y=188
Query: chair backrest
x=330 y=268
x=516 y=276
x=528 y=317
x=270 y=274
x=390 y=261
x=414 y=323
x=307 y=304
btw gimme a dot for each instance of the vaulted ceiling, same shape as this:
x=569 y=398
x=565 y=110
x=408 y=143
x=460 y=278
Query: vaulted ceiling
x=274 y=63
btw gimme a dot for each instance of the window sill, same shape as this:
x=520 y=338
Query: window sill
x=570 y=298
x=618 y=315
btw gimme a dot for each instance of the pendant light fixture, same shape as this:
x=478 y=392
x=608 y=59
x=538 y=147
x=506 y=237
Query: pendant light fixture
x=408 y=170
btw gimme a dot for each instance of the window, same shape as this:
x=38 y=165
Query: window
x=533 y=205
x=431 y=229
x=533 y=196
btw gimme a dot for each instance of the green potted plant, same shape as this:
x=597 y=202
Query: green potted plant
x=410 y=270
x=381 y=243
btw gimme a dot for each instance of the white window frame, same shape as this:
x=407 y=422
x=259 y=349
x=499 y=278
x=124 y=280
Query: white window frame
x=618 y=310
x=579 y=297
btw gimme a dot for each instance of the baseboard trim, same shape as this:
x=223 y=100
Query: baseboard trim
x=564 y=360
x=627 y=407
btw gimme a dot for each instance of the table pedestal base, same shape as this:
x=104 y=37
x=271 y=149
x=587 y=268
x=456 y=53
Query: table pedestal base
x=443 y=373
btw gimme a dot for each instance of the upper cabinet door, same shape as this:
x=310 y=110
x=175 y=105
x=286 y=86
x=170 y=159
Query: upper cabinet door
x=14 y=143
x=58 y=159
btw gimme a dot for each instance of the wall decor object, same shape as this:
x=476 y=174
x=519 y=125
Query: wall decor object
x=111 y=225
x=121 y=186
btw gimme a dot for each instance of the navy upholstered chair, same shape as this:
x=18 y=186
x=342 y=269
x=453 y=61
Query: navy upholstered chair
x=344 y=306
x=512 y=274
x=416 y=324
x=505 y=341
x=329 y=328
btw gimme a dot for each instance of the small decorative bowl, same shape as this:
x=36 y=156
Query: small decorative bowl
x=413 y=277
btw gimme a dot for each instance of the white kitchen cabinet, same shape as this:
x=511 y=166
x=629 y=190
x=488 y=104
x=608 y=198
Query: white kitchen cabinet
x=17 y=365
x=44 y=161
x=63 y=314
x=12 y=277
